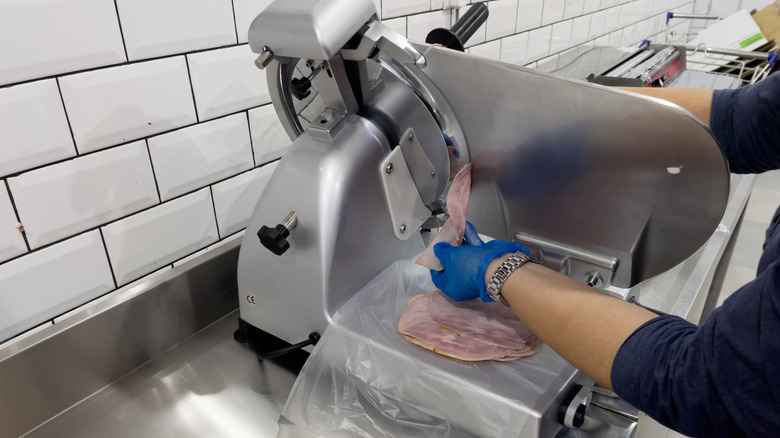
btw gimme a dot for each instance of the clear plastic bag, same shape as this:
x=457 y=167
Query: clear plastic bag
x=364 y=379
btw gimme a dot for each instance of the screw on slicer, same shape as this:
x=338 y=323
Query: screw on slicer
x=389 y=168
x=593 y=279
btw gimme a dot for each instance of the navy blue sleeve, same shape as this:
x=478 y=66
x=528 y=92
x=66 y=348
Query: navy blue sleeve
x=746 y=124
x=721 y=379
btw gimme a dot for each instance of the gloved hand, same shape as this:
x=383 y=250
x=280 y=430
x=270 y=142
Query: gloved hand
x=463 y=276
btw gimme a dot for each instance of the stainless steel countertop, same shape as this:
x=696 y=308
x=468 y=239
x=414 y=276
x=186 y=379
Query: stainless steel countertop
x=207 y=386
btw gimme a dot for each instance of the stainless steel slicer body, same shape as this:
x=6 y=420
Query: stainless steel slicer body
x=605 y=186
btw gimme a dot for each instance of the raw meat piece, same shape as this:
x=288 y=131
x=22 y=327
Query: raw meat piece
x=453 y=229
x=419 y=329
x=491 y=323
x=466 y=331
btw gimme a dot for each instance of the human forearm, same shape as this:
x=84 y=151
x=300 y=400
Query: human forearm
x=584 y=325
x=698 y=102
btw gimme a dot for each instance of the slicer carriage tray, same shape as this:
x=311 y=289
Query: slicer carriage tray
x=365 y=371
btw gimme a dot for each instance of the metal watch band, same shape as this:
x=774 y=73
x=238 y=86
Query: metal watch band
x=503 y=272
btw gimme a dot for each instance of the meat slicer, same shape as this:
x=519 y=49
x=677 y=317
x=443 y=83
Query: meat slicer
x=607 y=187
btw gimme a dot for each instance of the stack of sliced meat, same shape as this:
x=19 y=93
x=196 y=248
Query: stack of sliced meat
x=467 y=330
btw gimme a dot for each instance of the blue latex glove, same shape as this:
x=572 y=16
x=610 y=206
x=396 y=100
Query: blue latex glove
x=463 y=276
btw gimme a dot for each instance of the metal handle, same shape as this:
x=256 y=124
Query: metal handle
x=462 y=30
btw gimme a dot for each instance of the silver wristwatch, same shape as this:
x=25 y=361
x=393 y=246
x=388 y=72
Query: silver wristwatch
x=504 y=271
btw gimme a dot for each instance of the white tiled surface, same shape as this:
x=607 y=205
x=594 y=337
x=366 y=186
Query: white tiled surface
x=561 y=36
x=58 y=201
x=502 y=18
x=120 y=104
x=164 y=27
x=597 y=23
x=224 y=241
x=418 y=26
x=226 y=81
x=11 y=241
x=514 y=49
x=397 y=8
x=24 y=109
x=45 y=37
x=579 y=30
x=68 y=91
x=539 y=43
x=44 y=284
x=529 y=14
x=269 y=139
x=190 y=158
x=144 y=242
x=396 y=24
x=235 y=199
x=573 y=8
x=246 y=11
x=552 y=11
x=491 y=50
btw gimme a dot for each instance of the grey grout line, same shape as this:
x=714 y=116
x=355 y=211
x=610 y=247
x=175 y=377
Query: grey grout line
x=108 y=258
x=154 y=173
x=235 y=22
x=192 y=88
x=251 y=141
x=121 y=32
x=67 y=117
x=214 y=210
x=18 y=219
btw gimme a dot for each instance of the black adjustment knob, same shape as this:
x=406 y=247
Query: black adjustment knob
x=275 y=239
x=300 y=88
x=573 y=408
x=461 y=31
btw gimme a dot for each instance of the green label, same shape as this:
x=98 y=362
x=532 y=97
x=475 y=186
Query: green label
x=751 y=40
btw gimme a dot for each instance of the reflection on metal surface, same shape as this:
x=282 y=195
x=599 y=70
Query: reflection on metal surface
x=583 y=165
x=208 y=386
x=684 y=289
x=49 y=372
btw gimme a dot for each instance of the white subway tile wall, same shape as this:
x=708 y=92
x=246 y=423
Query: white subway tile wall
x=245 y=12
x=47 y=37
x=153 y=28
x=269 y=140
x=58 y=201
x=136 y=133
x=145 y=242
x=235 y=199
x=225 y=81
x=119 y=104
x=46 y=283
x=11 y=241
x=23 y=110
x=190 y=158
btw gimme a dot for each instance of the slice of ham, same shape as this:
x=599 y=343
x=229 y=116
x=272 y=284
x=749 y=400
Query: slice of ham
x=419 y=329
x=468 y=331
x=491 y=323
x=453 y=229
